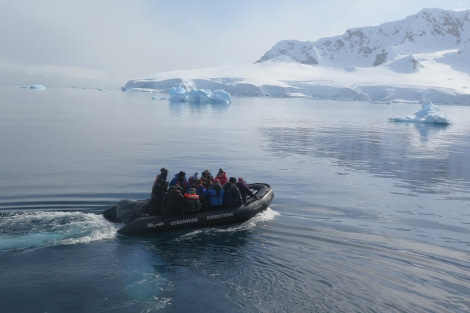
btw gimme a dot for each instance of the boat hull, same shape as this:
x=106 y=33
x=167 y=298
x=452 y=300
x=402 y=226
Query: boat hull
x=137 y=223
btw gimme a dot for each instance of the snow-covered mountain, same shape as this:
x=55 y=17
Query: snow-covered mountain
x=424 y=56
x=429 y=31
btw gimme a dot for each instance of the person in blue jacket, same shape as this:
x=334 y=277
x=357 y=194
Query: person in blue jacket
x=201 y=191
x=180 y=180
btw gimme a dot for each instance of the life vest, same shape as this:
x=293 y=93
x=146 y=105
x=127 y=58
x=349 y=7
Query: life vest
x=191 y=196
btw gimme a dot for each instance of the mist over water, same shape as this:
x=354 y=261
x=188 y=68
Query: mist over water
x=368 y=215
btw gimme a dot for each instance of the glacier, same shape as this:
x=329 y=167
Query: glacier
x=436 y=83
x=423 y=57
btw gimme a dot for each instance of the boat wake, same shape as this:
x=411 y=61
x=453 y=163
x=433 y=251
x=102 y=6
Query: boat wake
x=267 y=215
x=37 y=229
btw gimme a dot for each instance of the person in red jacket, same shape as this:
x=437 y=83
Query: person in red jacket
x=221 y=177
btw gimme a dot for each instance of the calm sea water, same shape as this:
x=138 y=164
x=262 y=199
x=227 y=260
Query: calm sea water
x=368 y=215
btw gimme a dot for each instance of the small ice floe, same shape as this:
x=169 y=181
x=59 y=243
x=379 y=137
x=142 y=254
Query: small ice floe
x=181 y=94
x=429 y=114
x=158 y=98
x=35 y=87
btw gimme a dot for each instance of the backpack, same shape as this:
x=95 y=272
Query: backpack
x=215 y=193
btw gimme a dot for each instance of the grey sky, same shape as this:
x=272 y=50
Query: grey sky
x=111 y=41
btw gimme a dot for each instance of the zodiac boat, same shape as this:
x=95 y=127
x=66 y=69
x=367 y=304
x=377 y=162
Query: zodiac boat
x=130 y=212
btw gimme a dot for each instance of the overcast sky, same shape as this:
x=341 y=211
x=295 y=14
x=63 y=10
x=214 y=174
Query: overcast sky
x=79 y=41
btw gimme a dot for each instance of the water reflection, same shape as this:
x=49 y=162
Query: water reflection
x=427 y=131
x=229 y=237
x=182 y=108
x=423 y=156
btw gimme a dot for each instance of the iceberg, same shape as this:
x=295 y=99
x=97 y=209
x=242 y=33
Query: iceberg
x=35 y=87
x=429 y=113
x=181 y=94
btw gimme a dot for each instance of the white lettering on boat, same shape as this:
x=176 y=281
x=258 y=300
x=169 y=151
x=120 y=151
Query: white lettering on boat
x=152 y=225
x=185 y=221
x=217 y=216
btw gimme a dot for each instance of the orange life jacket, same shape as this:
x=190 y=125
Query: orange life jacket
x=191 y=196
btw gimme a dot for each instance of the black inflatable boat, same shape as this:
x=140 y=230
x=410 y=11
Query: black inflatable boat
x=130 y=212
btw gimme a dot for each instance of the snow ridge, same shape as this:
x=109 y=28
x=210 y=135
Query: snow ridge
x=430 y=30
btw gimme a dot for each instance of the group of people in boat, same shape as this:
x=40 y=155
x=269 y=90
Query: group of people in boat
x=182 y=196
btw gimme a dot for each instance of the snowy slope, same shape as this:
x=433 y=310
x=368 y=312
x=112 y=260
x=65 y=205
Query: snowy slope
x=424 y=56
x=430 y=30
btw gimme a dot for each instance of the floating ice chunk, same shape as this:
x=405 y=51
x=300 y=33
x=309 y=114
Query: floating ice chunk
x=429 y=113
x=37 y=87
x=180 y=94
x=221 y=96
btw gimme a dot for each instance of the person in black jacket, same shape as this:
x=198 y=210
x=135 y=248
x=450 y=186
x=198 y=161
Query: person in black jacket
x=232 y=196
x=159 y=188
x=175 y=202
